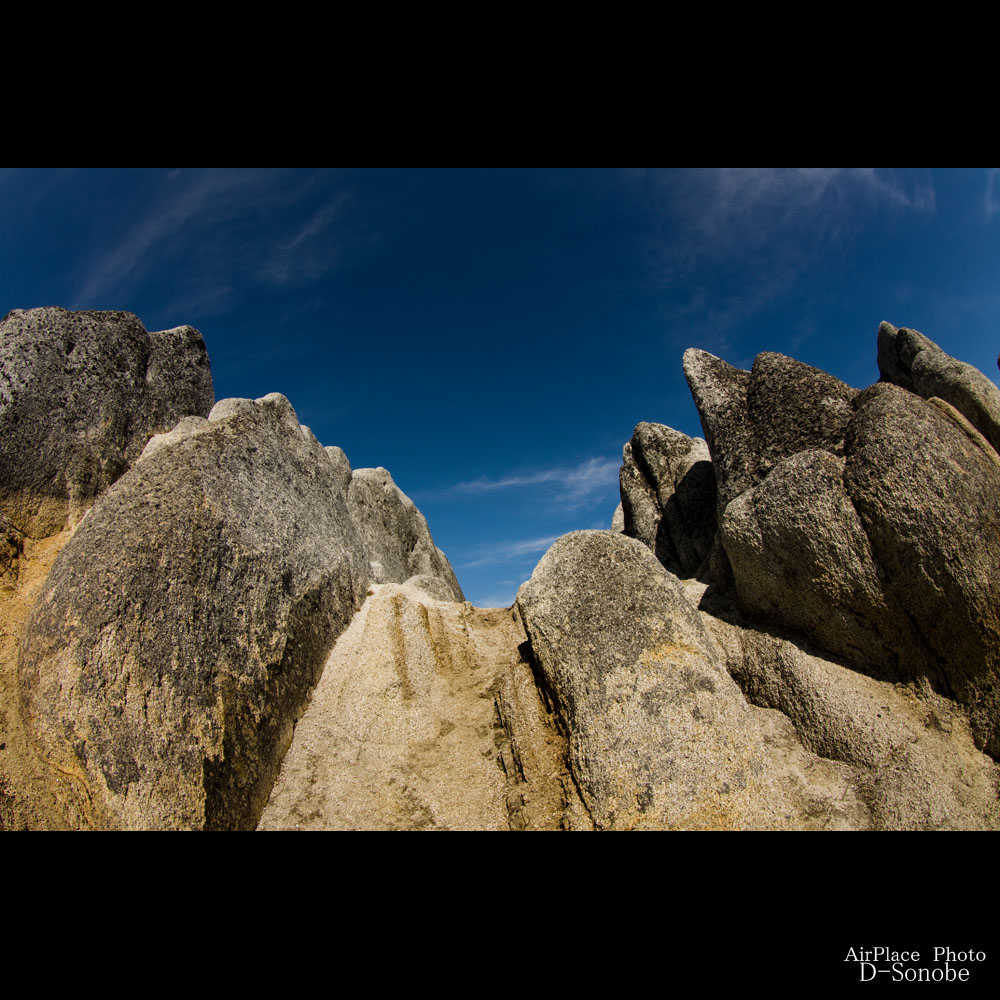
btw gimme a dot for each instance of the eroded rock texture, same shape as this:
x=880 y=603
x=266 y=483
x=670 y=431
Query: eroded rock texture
x=163 y=661
x=238 y=606
x=80 y=395
x=867 y=522
x=426 y=718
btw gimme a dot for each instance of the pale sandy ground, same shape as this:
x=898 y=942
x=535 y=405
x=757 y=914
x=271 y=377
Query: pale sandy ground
x=29 y=778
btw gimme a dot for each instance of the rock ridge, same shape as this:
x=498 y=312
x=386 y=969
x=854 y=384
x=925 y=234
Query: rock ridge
x=791 y=625
x=166 y=659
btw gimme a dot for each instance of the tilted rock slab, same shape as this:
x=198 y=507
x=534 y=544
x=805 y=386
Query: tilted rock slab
x=80 y=395
x=182 y=627
x=660 y=736
x=912 y=755
x=669 y=496
x=913 y=361
x=932 y=513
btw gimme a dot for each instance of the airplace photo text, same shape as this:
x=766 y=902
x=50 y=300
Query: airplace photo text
x=943 y=964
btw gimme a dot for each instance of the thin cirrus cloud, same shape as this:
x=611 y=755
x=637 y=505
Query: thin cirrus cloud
x=169 y=223
x=573 y=485
x=501 y=552
x=311 y=252
x=725 y=210
x=218 y=227
x=730 y=242
x=991 y=203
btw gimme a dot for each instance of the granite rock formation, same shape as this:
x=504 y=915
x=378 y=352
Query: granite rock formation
x=180 y=631
x=838 y=527
x=910 y=360
x=791 y=624
x=394 y=532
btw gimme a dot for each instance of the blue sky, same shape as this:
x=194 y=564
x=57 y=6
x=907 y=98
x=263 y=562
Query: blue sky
x=493 y=336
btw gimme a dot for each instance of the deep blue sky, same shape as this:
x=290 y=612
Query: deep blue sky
x=492 y=337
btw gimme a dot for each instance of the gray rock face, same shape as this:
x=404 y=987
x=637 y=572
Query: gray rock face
x=793 y=407
x=720 y=393
x=909 y=359
x=659 y=735
x=867 y=522
x=182 y=627
x=754 y=420
x=342 y=465
x=932 y=515
x=799 y=555
x=394 y=532
x=669 y=497
x=80 y=395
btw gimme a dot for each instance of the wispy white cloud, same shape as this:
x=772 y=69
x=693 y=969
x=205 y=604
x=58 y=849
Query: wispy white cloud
x=211 y=199
x=500 y=552
x=205 y=301
x=730 y=207
x=287 y=263
x=991 y=203
x=496 y=598
x=318 y=222
x=572 y=484
x=731 y=242
x=215 y=229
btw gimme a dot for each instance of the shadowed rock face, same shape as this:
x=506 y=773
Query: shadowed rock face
x=755 y=420
x=80 y=395
x=868 y=522
x=910 y=753
x=668 y=496
x=932 y=515
x=11 y=549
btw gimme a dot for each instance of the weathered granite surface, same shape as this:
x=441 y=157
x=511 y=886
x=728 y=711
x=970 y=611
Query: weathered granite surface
x=80 y=395
x=243 y=629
